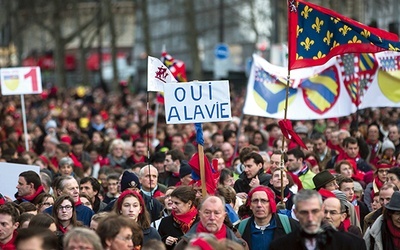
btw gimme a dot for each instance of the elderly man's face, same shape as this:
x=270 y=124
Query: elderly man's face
x=212 y=214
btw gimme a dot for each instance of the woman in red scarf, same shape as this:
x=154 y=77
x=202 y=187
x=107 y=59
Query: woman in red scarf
x=183 y=216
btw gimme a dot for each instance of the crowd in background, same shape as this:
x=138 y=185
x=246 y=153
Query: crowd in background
x=106 y=165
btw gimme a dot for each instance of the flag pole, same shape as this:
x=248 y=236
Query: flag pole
x=200 y=149
x=281 y=204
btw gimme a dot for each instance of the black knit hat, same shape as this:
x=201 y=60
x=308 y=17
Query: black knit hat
x=185 y=169
x=129 y=180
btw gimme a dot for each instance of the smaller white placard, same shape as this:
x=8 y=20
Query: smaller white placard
x=19 y=81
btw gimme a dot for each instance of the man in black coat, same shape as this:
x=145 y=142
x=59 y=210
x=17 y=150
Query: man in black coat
x=253 y=174
x=313 y=234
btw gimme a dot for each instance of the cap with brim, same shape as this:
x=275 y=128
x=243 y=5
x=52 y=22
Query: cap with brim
x=322 y=178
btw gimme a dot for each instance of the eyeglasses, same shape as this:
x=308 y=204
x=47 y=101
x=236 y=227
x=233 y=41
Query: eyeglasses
x=332 y=212
x=126 y=239
x=48 y=204
x=256 y=201
x=381 y=171
x=67 y=208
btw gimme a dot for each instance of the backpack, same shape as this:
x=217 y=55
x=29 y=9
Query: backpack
x=283 y=218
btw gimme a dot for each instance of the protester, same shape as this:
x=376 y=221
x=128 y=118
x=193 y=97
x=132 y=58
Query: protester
x=212 y=215
x=119 y=233
x=183 y=216
x=82 y=238
x=29 y=187
x=384 y=233
x=131 y=204
x=167 y=202
x=32 y=238
x=68 y=186
x=9 y=215
x=313 y=233
x=44 y=201
x=253 y=174
x=64 y=213
x=265 y=225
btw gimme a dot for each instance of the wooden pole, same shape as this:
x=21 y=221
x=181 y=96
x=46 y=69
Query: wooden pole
x=202 y=170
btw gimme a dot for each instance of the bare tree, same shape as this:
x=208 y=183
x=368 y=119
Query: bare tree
x=50 y=16
x=192 y=38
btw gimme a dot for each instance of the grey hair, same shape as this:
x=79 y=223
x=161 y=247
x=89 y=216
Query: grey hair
x=307 y=194
x=83 y=234
x=63 y=180
x=144 y=170
x=116 y=142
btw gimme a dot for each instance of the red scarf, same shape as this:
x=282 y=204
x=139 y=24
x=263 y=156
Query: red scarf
x=344 y=156
x=30 y=198
x=79 y=202
x=186 y=220
x=10 y=244
x=62 y=229
x=394 y=234
x=221 y=234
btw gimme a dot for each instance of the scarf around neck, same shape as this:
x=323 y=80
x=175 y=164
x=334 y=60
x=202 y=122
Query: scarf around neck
x=185 y=220
x=30 y=198
x=394 y=234
x=221 y=234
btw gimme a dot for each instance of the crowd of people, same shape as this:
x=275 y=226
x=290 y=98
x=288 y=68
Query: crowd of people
x=115 y=176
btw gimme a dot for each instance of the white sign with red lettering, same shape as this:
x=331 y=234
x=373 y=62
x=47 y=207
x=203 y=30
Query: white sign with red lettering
x=19 y=81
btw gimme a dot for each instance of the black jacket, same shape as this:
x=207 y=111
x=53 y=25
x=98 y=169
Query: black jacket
x=242 y=184
x=329 y=239
x=168 y=227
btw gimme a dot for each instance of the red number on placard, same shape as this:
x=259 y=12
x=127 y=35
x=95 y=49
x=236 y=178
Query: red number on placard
x=32 y=73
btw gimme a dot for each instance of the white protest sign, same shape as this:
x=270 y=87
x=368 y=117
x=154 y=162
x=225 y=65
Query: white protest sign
x=197 y=102
x=9 y=173
x=19 y=81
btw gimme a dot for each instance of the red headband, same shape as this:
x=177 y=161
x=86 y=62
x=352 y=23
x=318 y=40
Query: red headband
x=134 y=194
x=383 y=165
x=270 y=194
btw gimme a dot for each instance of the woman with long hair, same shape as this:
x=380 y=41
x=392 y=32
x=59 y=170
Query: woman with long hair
x=64 y=213
x=183 y=216
x=131 y=204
